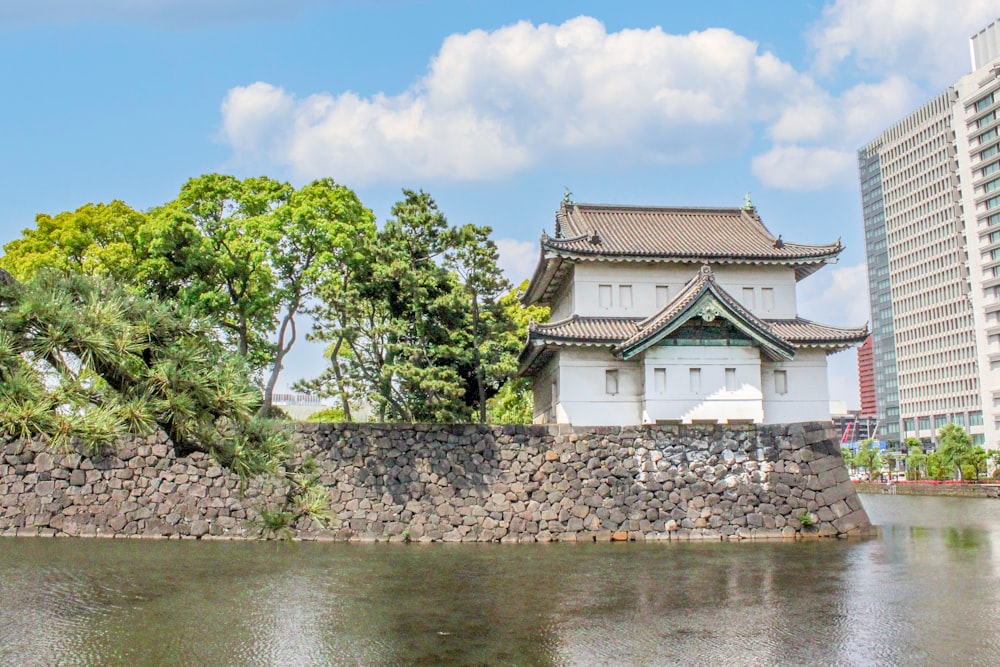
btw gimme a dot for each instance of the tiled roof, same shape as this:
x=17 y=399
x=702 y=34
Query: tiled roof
x=586 y=330
x=668 y=232
x=664 y=234
x=615 y=330
x=804 y=333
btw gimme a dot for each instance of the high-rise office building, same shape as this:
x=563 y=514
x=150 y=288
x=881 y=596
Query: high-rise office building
x=866 y=379
x=930 y=190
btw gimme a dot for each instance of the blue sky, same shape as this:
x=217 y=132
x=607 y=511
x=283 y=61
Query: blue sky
x=492 y=107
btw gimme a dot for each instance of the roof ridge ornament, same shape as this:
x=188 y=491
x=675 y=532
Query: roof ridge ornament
x=707 y=272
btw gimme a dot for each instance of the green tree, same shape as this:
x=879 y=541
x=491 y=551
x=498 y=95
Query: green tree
x=325 y=231
x=868 y=458
x=81 y=357
x=473 y=256
x=916 y=460
x=957 y=453
x=225 y=271
x=95 y=239
x=848 y=456
x=513 y=403
x=82 y=360
x=427 y=341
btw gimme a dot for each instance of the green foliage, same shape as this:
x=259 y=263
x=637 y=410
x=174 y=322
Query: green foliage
x=84 y=362
x=916 y=460
x=473 y=257
x=82 y=358
x=417 y=325
x=275 y=522
x=418 y=319
x=937 y=469
x=222 y=268
x=868 y=458
x=325 y=232
x=512 y=404
x=328 y=416
x=807 y=519
x=96 y=239
x=956 y=453
x=848 y=456
x=248 y=254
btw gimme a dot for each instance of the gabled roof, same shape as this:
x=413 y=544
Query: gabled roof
x=591 y=232
x=703 y=297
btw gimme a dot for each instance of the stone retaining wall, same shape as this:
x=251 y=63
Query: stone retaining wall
x=462 y=483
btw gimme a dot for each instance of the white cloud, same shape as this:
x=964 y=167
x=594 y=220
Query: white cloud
x=803 y=169
x=517 y=259
x=837 y=295
x=818 y=135
x=172 y=13
x=924 y=40
x=494 y=103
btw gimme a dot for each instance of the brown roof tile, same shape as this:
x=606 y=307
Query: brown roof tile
x=586 y=330
x=674 y=233
x=803 y=333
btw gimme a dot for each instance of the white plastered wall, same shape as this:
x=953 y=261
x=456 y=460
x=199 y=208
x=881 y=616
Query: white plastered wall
x=583 y=396
x=770 y=295
x=807 y=397
x=705 y=396
x=543 y=411
x=563 y=303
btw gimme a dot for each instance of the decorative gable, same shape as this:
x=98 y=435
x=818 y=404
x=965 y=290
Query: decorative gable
x=703 y=298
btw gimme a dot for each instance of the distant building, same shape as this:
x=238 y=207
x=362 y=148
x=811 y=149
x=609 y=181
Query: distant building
x=298 y=406
x=855 y=427
x=676 y=314
x=930 y=189
x=866 y=379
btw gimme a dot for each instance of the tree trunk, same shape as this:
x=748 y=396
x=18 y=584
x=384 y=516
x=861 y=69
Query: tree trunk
x=334 y=361
x=279 y=355
x=477 y=360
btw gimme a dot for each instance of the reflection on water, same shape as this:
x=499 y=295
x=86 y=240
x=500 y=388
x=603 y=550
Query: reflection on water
x=926 y=592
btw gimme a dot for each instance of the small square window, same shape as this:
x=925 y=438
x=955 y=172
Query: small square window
x=662 y=295
x=730 y=379
x=611 y=382
x=660 y=379
x=767 y=299
x=780 y=382
x=694 y=380
x=604 y=296
x=625 y=296
x=748 y=299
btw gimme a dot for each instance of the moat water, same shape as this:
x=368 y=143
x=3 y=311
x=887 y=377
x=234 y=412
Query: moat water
x=927 y=592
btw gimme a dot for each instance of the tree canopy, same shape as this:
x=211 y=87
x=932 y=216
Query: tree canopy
x=417 y=317
x=956 y=454
x=416 y=327
x=82 y=358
